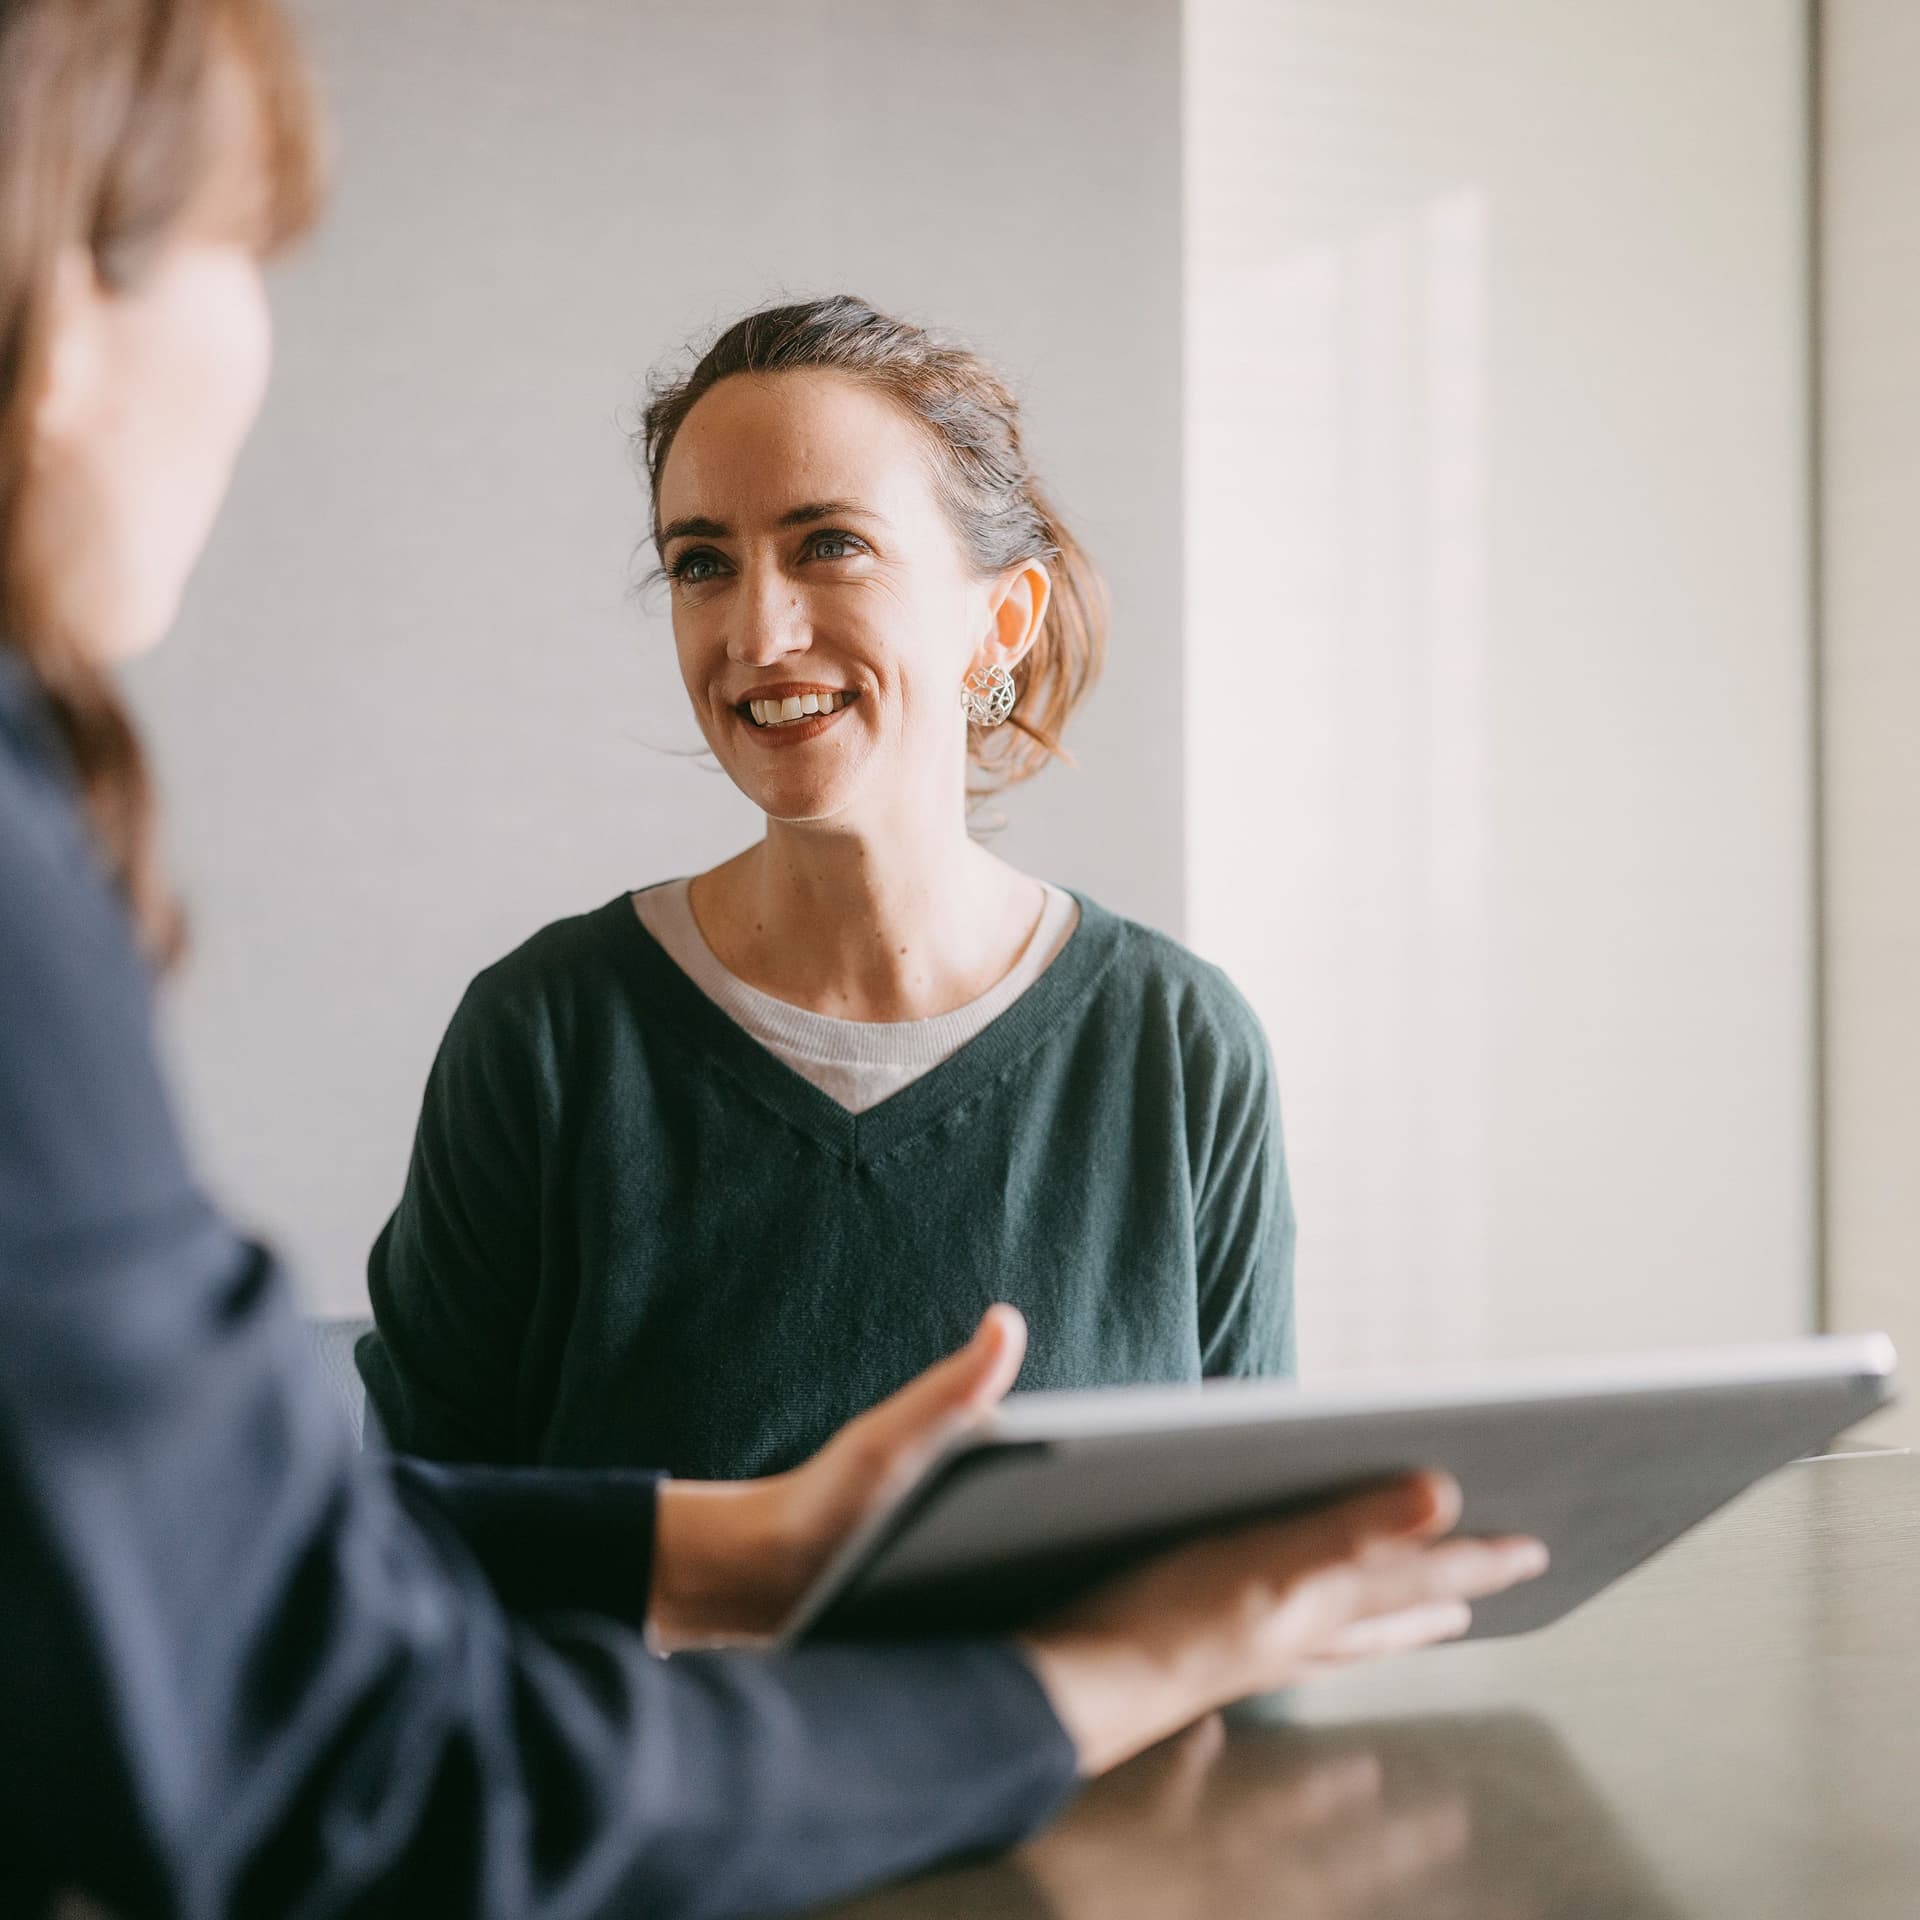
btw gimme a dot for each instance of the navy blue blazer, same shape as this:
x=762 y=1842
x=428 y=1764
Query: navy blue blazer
x=245 y=1669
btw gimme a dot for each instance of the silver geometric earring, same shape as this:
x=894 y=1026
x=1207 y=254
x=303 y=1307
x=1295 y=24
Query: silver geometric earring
x=988 y=695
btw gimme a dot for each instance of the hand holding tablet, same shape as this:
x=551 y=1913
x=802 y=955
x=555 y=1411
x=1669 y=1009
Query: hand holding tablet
x=734 y=1558
x=1605 y=1460
x=1159 y=1552
x=1265 y=1606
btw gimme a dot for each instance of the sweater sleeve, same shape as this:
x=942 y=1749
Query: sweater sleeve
x=1243 y=1204
x=241 y=1674
x=453 y=1275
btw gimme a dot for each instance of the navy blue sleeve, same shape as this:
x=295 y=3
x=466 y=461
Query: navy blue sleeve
x=548 y=1539
x=247 y=1670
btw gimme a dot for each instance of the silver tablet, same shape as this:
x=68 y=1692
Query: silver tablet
x=1606 y=1461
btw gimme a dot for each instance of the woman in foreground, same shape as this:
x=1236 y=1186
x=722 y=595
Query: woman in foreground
x=244 y=1669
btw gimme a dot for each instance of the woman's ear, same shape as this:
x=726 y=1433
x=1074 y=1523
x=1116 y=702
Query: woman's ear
x=1019 y=609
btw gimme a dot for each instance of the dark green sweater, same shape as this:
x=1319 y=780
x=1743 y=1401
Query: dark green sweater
x=630 y=1235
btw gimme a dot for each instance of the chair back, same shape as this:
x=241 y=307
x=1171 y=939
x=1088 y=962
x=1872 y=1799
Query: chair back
x=332 y=1342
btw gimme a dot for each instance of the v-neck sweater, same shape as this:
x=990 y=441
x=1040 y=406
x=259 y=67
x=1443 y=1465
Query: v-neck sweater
x=859 y=1063
x=630 y=1233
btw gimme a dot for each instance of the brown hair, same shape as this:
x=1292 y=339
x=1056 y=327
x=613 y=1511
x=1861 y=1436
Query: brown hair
x=999 y=512
x=108 y=136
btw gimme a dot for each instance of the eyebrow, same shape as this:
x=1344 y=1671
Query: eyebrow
x=693 y=529
x=823 y=510
x=698 y=527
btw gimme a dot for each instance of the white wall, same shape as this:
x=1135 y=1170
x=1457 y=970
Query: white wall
x=1493 y=786
x=1498 y=652
x=411 y=714
x=1870 y=369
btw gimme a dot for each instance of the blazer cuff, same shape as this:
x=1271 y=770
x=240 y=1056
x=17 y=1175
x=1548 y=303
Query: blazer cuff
x=547 y=1539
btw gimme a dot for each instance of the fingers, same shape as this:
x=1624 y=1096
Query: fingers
x=1369 y=1574
x=961 y=1387
x=1384 y=1633
x=994 y=1355
x=1417 y=1507
x=1420 y=1506
x=1414 y=1578
x=1459 y=1570
x=1392 y=1539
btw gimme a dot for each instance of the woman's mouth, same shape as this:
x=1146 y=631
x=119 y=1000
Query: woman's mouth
x=794 y=711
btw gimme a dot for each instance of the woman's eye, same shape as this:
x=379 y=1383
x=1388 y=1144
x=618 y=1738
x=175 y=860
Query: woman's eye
x=836 y=546
x=696 y=568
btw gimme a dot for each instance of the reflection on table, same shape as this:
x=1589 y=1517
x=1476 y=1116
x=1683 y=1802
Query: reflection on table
x=1482 y=1816
x=1734 y=1730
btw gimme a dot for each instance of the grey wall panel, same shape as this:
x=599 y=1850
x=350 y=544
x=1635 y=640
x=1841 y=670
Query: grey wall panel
x=1870 y=373
x=411 y=713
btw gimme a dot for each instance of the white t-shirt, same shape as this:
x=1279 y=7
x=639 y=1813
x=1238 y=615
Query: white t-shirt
x=859 y=1063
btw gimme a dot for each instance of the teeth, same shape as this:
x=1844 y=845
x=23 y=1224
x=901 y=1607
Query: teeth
x=797 y=706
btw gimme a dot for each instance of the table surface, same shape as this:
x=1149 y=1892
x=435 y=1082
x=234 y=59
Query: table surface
x=1732 y=1730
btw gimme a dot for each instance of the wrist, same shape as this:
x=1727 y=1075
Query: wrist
x=1114 y=1695
x=717 y=1560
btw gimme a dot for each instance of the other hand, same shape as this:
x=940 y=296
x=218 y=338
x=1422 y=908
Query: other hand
x=1265 y=1606
x=731 y=1558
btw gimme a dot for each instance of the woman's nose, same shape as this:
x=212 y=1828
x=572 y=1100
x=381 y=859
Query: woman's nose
x=771 y=622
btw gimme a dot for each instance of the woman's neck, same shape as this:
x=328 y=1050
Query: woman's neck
x=868 y=926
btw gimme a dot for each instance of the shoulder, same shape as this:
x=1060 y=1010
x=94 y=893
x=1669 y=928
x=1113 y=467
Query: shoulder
x=1152 y=980
x=86 y=1129
x=541 y=993
x=43 y=840
x=562 y=954
x=60 y=921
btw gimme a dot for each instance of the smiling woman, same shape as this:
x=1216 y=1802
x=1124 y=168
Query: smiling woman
x=706 y=1170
